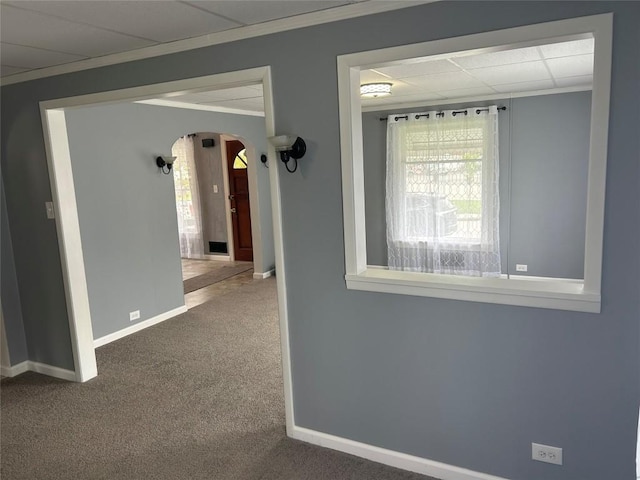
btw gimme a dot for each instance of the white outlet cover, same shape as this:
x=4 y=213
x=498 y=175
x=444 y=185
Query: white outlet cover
x=134 y=315
x=546 y=453
x=521 y=267
x=50 y=211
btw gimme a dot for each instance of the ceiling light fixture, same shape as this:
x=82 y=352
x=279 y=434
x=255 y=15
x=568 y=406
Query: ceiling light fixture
x=373 y=90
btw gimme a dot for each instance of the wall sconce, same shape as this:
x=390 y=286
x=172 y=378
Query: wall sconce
x=165 y=162
x=289 y=146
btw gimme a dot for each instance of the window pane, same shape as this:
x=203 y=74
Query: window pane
x=240 y=161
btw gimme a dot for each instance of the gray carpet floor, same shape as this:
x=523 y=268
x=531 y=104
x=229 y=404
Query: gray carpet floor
x=217 y=274
x=196 y=397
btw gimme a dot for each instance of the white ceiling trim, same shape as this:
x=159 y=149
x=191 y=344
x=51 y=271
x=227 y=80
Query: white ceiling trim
x=240 y=33
x=197 y=106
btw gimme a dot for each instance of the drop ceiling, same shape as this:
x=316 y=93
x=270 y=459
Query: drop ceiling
x=549 y=68
x=38 y=34
x=563 y=66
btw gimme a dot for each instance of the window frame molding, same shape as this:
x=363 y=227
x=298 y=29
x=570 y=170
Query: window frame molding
x=577 y=296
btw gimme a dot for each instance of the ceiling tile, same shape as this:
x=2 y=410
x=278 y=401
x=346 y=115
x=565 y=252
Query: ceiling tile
x=421 y=68
x=253 y=104
x=369 y=76
x=579 y=81
x=160 y=21
x=466 y=92
x=566 y=49
x=265 y=10
x=9 y=70
x=506 y=57
x=400 y=99
x=441 y=81
x=519 y=72
x=524 y=86
x=571 y=66
x=29 y=57
x=188 y=98
x=229 y=94
x=404 y=88
x=22 y=27
x=251 y=91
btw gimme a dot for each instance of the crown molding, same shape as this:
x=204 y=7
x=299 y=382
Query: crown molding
x=198 y=106
x=232 y=35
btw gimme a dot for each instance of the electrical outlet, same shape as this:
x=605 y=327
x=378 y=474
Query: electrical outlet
x=50 y=211
x=545 y=453
x=134 y=315
x=520 y=267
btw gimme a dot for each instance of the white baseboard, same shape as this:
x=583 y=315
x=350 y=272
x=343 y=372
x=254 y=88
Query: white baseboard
x=112 y=337
x=262 y=276
x=12 y=371
x=52 y=371
x=403 y=461
x=218 y=258
x=210 y=256
x=43 y=368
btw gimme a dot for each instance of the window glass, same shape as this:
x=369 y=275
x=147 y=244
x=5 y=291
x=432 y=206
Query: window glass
x=240 y=162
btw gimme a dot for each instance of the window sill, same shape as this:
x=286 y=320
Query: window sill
x=461 y=245
x=538 y=293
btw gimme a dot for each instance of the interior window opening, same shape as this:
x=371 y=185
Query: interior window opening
x=447 y=210
x=474 y=166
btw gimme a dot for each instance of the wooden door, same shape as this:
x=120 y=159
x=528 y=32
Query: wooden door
x=239 y=197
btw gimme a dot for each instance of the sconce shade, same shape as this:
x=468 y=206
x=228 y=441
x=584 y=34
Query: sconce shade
x=289 y=146
x=372 y=90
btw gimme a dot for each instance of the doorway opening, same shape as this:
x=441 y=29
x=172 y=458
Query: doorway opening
x=210 y=179
x=67 y=219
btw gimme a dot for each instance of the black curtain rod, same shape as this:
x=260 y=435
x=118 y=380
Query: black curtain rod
x=440 y=114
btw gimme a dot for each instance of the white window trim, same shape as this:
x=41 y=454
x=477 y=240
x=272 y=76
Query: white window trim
x=550 y=293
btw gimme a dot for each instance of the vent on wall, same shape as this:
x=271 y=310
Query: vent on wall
x=218 y=247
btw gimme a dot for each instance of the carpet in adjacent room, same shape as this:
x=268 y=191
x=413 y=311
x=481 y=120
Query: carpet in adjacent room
x=196 y=397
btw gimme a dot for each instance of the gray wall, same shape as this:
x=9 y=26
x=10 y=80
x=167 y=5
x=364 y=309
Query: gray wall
x=209 y=167
x=544 y=156
x=127 y=207
x=464 y=383
x=11 y=309
x=549 y=167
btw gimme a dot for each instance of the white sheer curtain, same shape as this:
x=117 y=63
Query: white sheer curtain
x=187 y=199
x=442 y=202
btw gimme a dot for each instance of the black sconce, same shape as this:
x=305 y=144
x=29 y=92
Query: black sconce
x=165 y=163
x=289 y=146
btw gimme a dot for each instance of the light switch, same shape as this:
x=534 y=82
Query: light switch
x=50 y=212
x=215 y=189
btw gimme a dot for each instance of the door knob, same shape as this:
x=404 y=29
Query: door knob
x=231 y=197
x=233 y=210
